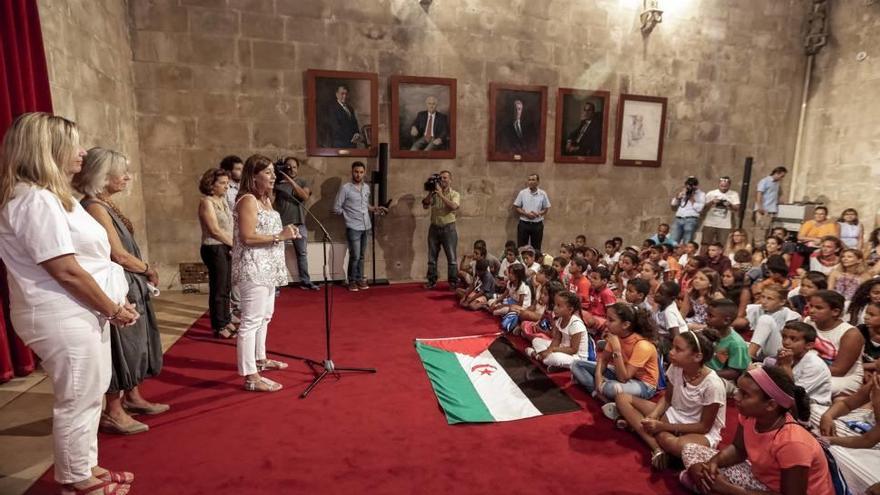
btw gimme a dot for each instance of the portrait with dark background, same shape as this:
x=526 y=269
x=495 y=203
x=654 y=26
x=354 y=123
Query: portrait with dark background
x=580 y=136
x=335 y=129
x=507 y=141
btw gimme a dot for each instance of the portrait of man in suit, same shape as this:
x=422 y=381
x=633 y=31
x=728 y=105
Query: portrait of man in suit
x=518 y=117
x=430 y=129
x=344 y=131
x=586 y=138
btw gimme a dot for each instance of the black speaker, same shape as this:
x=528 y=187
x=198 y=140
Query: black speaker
x=744 y=192
x=382 y=176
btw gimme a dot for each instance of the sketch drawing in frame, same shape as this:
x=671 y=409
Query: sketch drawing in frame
x=342 y=113
x=423 y=117
x=641 y=128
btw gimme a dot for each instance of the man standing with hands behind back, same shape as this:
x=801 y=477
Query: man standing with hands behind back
x=443 y=202
x=767 y=203
x=532 y=204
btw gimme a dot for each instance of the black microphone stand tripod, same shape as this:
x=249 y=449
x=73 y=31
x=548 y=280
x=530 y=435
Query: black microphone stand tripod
x=327 y=366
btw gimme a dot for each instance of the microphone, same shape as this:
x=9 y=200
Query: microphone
x=308 y=212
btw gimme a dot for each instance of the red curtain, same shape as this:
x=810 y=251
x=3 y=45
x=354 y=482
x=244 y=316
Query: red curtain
x=24 y=87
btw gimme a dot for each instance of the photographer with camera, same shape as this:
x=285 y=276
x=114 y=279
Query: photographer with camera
x=291 y=193
x=688 y=204
x=443 y=202
x=722 y=204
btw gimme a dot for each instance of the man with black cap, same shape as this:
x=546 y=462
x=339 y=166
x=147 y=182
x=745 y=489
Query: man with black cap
x=688 y=205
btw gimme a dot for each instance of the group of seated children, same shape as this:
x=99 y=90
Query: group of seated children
x=663 y=337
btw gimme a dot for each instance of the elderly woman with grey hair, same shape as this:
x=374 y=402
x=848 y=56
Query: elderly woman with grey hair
x=136 y=350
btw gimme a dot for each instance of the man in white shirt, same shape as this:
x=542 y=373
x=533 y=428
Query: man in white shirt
x=721 y=204
x=234 y=165
x=532 y=204
x=688 y=205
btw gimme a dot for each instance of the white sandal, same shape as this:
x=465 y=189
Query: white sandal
x=262 y=385
x=271 y=364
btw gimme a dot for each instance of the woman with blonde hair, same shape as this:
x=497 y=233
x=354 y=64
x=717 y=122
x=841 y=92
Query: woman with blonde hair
x=257 y=268
x=738 y=239
x=849 y=274
x=64 y=290
x=136 y=351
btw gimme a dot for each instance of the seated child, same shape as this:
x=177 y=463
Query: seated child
x=580 y=240
x=867 y=293
x=579 y=283
x=537 y=321
x=799 y=297
x=560 y=264
x=691 y=249
x=600 y=298
x=628 y=363
x=636 y=293
x=731 y=352
x=627 y=269
x=704 y=286
x=673 y=267
x=767 y=336
x=467 y=274
x=517 y=292
x=570 y=341
x=838 y=343
x=670 y=322
x=611 y=254
x=870 y=330
x=527 y=253
x=693 y=408
x=782 y=455
x=483 y=290
x=508 y=260
x=798 y=359
x=868 y=394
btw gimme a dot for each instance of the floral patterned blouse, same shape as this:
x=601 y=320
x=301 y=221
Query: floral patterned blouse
x=261 y=265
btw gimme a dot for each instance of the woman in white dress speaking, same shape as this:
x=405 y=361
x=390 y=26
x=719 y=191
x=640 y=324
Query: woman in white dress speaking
x=64 y=289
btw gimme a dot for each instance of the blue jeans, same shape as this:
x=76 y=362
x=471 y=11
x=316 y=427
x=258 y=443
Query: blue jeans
x=357 y=246
x=302 y=257
x=684 y=229
x=447 y=238
x=584 y=372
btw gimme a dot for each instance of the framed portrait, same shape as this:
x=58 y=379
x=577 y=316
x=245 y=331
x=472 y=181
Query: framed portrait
x=342 y=113
x=581 y=126
x=517 y=122
x=641 y=128
x=422 y=117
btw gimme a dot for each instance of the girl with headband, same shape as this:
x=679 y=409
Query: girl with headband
x=783 y=457
x=693 y=408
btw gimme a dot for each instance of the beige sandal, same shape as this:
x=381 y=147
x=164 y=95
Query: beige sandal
x=271 y=364
x=262 y=385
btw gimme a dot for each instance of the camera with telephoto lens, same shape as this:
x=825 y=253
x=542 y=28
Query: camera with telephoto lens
x=280 y=166
x=432 y=183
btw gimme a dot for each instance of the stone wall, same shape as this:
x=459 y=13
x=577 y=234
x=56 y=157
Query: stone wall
x=226 y=76
x=90 y=73
x=841 y=145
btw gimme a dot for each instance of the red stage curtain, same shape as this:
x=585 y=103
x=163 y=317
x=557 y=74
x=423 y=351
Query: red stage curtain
x=24 y=87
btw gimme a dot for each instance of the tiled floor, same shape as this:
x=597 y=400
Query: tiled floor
x=26 y=403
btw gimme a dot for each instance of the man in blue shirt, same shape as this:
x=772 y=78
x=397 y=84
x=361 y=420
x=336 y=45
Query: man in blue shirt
x=688 y=205
x=767 y=203
x=532 y=204
x=353 y=203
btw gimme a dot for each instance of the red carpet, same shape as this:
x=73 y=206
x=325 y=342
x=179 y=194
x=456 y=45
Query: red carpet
x=376 y=434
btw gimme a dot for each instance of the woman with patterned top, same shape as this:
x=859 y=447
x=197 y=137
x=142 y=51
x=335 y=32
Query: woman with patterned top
x=136 y=351
x=257 y=268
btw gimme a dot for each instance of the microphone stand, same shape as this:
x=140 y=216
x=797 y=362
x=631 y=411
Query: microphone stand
x=326 y=366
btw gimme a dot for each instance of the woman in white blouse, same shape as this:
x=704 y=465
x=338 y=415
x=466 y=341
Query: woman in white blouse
x=64 y=289
x=257 y=268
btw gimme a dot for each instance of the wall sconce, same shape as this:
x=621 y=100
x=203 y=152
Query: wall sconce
x=651 y=15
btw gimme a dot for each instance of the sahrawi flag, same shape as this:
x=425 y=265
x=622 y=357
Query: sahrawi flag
x=483 y=378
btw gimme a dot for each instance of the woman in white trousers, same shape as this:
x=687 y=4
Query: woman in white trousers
x=257 y=268
x=64 y=290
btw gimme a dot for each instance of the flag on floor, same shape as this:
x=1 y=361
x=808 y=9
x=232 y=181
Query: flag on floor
x=484 y=379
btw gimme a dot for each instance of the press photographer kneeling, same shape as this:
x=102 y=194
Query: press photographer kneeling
x=443 y=202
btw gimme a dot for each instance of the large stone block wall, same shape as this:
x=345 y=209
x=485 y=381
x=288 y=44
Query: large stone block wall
x=841 y=145
x=213 y=77
x=91 y=77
